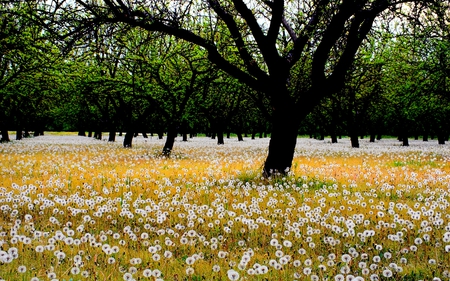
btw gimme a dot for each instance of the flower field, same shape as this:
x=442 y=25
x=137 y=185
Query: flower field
x=74 y=208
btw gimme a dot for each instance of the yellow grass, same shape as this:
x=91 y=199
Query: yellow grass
x=208 y=204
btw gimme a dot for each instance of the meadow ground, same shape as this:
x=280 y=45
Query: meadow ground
x=74 y=208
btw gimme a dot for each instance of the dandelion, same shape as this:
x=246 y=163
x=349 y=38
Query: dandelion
x=156 y=273
x=22 y=269
x=387 y=273
x=216 y=268
x=189 y=271
x=127 y=276
x=75 y=270
x=232 y=274
x=346 y=258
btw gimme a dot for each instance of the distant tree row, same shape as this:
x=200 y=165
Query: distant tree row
x=278 y=68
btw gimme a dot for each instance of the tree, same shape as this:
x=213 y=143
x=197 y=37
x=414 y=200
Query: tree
x=264 y=39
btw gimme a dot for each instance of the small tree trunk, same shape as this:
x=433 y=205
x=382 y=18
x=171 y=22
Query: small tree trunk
x=90 y=134
x=120 y=134
x=27 y=134
x=228 y=135
x=36 y=134
x=405 y=141
x=160 y=135
x=379 y=137
x=170 y=140
x=425 y=137
x=334 y=138
x=253 y=135
x=240 y=138
x=82 y=133
x=441 y=139
x=19 y=135
x=220 y=138
x=144 y=135
x=5 y=136
x=185 y=137
x=372 y=137
x=128 y=140
x=98 y=135
x=354 y=140
x=112 y=136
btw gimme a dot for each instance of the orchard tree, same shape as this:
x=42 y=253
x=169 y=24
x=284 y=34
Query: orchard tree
x=258 y=42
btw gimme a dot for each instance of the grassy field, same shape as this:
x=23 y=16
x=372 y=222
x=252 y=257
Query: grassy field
x=74 y=208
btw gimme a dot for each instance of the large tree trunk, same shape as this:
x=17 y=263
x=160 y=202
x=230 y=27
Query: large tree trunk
x=128 y=139
x=283 y=139
x=170 y=140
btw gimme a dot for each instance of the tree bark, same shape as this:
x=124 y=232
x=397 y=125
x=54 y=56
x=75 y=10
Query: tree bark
x=405 y=140
x=354 y=140
x=372 y=138
x=240 y=138
x=112 y=136
x=283 y=138
x=128 y=139
x=220 y=138
x=19 y=135
x=5 y=136
x=170 y=140
x=441 y=139
x=334 y=138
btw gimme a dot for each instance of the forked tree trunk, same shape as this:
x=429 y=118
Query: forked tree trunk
x=128 y=139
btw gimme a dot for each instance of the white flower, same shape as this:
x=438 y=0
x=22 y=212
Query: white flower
x=232 y=274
